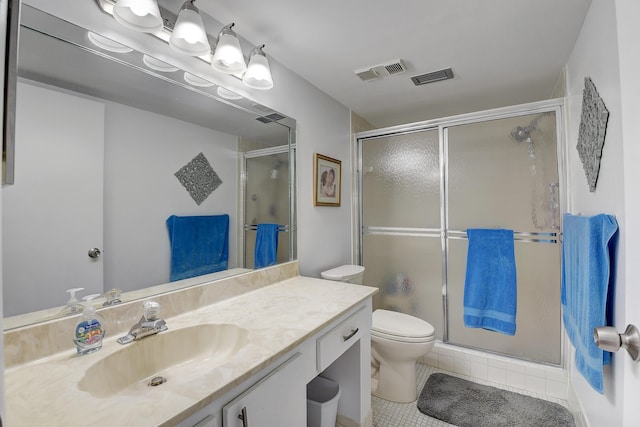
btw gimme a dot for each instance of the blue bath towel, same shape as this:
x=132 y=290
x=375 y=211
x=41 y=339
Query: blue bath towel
x=490 y=291
x=266 y=252
x=199 y=245
x=587 y=252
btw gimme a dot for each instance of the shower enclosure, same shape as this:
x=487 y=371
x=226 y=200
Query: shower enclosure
x=421 y=186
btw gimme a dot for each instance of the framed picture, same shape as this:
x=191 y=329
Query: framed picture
x=327 y=174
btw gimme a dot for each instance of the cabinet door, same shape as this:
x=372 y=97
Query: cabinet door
x=278 y=400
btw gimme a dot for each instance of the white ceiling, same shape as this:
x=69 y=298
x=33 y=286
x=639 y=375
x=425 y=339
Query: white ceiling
x=502 y=52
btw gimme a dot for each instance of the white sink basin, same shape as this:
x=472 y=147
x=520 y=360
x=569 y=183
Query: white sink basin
x=172 y=354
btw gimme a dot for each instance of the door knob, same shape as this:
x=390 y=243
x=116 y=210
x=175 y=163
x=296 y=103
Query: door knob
x=608 y=339
x=94 y=253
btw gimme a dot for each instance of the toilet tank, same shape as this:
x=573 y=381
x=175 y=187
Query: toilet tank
x=345 y=273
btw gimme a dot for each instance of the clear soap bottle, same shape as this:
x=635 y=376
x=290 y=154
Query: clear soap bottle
x=89 y=331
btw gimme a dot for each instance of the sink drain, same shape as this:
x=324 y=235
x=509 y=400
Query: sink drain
x=156 y=381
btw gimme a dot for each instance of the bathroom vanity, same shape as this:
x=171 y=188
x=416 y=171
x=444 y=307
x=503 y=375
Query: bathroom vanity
x=238 y=352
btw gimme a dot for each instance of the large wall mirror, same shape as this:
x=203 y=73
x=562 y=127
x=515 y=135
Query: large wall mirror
x=107 y=143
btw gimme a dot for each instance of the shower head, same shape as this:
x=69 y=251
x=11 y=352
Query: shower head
x=522 y=134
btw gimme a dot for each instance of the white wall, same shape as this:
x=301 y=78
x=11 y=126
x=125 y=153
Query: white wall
x=143 y=150
x=595 y=55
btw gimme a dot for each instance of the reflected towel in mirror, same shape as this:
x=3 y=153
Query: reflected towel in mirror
x=199 y=245
x=266 y=252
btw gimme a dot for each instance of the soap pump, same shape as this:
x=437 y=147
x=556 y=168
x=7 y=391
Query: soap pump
x=73 y=305
x=89 y=332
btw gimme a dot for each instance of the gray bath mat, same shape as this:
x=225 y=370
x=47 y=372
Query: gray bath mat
x=467 y=404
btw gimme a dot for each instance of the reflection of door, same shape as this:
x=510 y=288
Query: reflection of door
x=266 y=198
x=53 y=213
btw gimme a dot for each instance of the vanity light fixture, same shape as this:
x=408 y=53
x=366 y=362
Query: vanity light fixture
x=228 y=57
x=138 y=15
x=189 y=36
x=258 y=74
x=186 y=34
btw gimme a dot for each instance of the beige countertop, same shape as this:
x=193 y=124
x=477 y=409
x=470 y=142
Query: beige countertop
x=278 y=317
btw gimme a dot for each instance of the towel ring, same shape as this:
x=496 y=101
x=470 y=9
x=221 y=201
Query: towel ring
x=608 y=339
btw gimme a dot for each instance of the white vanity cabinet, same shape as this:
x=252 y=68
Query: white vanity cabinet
x=276 y=397
x=277 y=400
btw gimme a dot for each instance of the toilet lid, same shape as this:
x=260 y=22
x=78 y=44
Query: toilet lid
x=400 y=325
x=343 y=272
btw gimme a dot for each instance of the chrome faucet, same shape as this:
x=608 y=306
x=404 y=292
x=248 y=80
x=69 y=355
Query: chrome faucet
x=149 y=324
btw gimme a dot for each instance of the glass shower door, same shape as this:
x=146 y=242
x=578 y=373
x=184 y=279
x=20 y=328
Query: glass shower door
x=401 y=245
x=504 y=174
x=267 y=201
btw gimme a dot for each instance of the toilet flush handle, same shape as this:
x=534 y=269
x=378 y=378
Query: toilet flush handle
x=350 y=334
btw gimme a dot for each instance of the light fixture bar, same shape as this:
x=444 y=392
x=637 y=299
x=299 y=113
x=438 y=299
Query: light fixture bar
x=229 y=60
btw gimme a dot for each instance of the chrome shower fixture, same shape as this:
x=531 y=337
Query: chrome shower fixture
x=522 y=134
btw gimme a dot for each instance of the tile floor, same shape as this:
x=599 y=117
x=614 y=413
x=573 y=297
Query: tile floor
x=390 y=414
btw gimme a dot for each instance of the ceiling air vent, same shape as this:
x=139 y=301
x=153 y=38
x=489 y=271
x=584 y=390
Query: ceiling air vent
x=383 y=70
x=434 y=76
x=270 y=118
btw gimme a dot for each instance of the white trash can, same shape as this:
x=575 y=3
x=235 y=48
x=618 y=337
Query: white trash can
x=322 y=402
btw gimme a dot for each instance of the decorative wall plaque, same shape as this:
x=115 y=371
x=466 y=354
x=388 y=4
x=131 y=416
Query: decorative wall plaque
x=593 y=128
x=199 y=178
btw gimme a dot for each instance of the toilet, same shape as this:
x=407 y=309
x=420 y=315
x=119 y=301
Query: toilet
x=397 y=341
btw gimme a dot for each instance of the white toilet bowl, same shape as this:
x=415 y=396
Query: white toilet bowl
x=397 y=341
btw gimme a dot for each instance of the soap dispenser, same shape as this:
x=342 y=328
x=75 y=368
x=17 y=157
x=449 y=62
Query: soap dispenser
x=89 y=331
x=73 y=305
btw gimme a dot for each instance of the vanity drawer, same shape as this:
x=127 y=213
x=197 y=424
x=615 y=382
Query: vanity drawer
x=335 y=342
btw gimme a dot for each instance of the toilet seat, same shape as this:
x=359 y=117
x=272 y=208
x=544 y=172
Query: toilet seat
x=395 y=326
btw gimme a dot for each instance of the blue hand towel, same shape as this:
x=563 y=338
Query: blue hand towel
x=490 y=292
x=199 y=245
x=587 y=251
x=266 y=252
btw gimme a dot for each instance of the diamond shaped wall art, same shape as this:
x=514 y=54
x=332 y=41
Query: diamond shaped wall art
x=593 y=128
x=198 y=178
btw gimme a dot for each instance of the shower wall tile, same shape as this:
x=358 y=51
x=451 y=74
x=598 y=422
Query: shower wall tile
x=497 y=375
x=461 y=366
x=446 y=363
x=547 y=381
x=479 y=370
x=535 y=384
x=515 y=379
x=556 y=389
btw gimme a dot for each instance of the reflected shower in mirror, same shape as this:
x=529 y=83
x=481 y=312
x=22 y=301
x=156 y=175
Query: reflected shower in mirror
x=111 y=144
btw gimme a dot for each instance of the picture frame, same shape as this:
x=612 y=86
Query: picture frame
x=327 y=181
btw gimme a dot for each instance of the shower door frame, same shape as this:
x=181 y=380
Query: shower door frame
x=556 y=105
x=290 y=228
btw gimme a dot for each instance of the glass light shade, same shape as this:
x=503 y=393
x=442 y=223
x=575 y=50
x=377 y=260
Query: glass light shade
x=156 y=64
x=189 y=36
x=227 y=94
x=228 y=57
x=108 y=44
x=196 y=81
x=138 y=15
x=258 y=75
